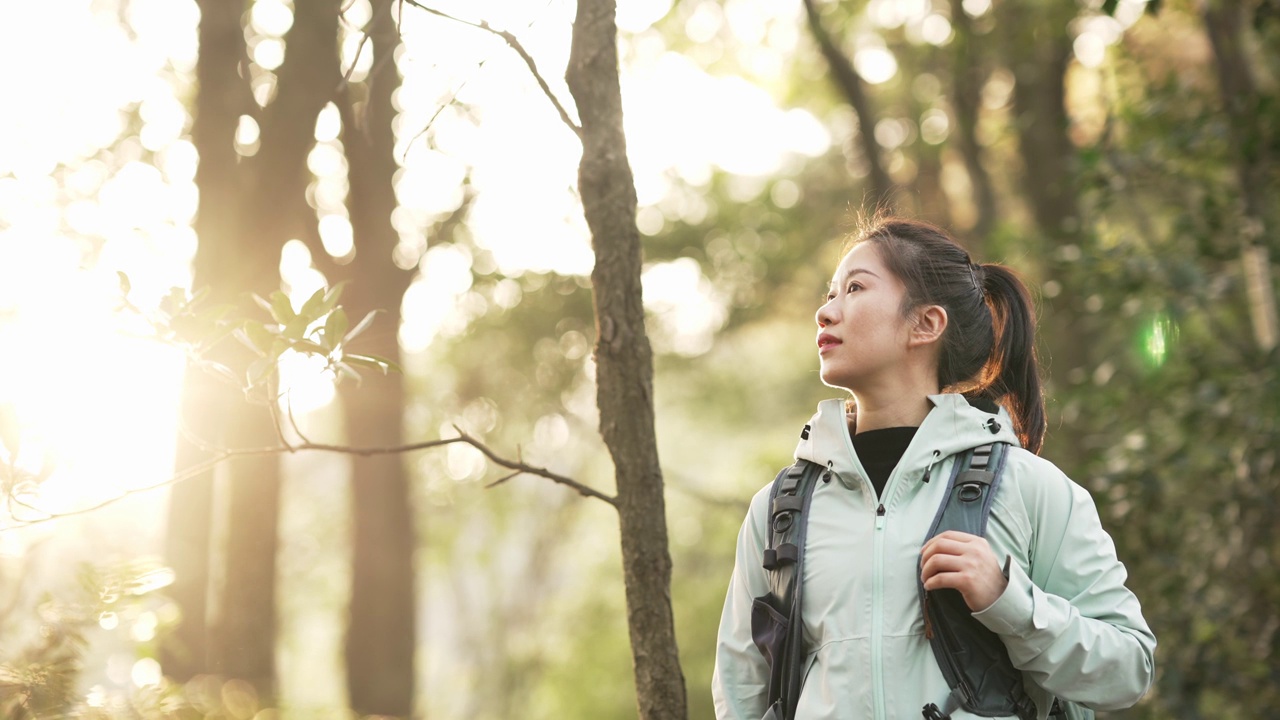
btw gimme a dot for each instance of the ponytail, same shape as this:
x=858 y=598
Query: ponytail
x=1011 y=374
x=988 y=349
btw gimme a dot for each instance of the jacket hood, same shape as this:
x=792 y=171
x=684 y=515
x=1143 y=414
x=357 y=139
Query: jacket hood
x=952 y=426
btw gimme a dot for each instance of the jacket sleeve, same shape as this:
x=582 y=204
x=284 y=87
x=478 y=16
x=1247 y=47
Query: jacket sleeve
x=1076 y=630
x=740 y=682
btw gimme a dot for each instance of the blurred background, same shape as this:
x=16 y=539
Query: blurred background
x=1121 y=154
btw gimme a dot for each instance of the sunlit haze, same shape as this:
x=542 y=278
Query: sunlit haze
x=97 y=177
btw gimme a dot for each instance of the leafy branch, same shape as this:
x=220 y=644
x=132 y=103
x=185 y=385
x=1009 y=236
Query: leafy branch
x=319 y=328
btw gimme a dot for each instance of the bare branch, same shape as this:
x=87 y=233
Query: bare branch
x=274 y=406
x=511 y=40
x=502 y=479
x=288 y=401
x=221 y=456
x=541 y=472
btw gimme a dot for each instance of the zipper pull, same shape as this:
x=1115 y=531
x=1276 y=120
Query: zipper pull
x=929 y=470
x=880 y=517
x=826 y=476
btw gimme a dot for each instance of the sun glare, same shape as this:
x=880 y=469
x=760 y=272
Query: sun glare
x=97 y=177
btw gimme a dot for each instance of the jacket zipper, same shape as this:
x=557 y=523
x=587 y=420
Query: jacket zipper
x=877 y=615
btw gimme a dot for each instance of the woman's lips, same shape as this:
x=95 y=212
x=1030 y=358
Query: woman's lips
x=826 y=342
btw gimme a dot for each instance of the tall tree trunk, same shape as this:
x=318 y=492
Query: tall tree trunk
x=270 y=183
x=1251 y=153
x=966 y=101
x=222 y=96
x=852 y=87
x=1038 y=48
x=1040 y=51
x=379 y=650
x=624 y=361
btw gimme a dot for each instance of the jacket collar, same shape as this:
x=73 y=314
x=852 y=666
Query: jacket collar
x=952 y=426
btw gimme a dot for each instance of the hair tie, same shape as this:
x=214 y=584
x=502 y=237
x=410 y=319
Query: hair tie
x=973 y=275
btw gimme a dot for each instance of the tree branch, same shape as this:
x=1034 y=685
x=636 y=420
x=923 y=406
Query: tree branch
x=524 y=55
x=519 y=468
x=850 y=84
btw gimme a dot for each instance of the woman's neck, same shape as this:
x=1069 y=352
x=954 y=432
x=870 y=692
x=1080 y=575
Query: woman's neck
x=878 y=411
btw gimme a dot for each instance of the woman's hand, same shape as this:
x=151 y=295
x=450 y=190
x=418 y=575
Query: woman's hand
x=966 y=563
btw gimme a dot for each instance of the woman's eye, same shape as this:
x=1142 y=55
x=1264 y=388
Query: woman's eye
x=830 y=296
x=854 y=286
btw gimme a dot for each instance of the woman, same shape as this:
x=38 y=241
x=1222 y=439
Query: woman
x=933 y=349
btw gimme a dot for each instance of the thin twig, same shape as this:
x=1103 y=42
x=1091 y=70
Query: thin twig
x=288 y=403
x=524 y=55
x=503 y=479
x=228 y=454
x=541 y=472
x=274 y=405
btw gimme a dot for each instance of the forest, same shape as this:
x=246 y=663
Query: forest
x=419 y=358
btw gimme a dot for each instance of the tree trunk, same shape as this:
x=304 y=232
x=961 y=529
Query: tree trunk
x=966 y=101
x=1040 y=51
x=270 y=182
x=380 y=639
x=624 y=361
x=221 y=97
x=1251 y=153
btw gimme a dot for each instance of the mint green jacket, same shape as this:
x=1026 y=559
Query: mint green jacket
x=1069 y=623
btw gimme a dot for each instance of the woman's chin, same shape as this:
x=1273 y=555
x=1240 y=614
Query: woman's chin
x=833 y=379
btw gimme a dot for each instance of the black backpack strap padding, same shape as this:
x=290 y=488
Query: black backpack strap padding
x=972 y=658
x=776 y=625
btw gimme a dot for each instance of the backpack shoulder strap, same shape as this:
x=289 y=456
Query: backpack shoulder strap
x=973 y=659
x=776 y=625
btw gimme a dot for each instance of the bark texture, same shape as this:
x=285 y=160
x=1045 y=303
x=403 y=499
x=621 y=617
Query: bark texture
x=221 y=98
x=624 y=361
x=966 y=101
x=1251 y=153
x=381 y=632
x=1040 y=46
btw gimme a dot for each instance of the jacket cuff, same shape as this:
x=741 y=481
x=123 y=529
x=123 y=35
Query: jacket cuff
x=1013 y=613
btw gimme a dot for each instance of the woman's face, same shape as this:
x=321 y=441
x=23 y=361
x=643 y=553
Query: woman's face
x=862 y=334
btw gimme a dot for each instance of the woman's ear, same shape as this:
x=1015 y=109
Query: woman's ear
x=930 y=324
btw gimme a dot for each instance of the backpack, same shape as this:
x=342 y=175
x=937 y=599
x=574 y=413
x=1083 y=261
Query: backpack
x=972 y=658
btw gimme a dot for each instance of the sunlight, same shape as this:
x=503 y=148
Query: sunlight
x=103 y=181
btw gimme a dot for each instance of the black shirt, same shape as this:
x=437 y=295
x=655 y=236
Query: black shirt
x=880 y=451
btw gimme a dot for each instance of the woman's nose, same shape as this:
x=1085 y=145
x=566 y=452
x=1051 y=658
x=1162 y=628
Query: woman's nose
x=825 y=316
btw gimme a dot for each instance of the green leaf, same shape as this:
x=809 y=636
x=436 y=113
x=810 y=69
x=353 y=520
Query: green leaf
x=360 y=326
x=373 y=361
x=307 y=346
x=281 y=308
x=125 y=285
x=220 y=370
x=331 y=299
x=278 y=346
x=335 y=326
x=295 y=328
x=172 y=303
x=257 y=336
x=1109 y=7
x=260 y=370
x=262 y=303
x=311 y=309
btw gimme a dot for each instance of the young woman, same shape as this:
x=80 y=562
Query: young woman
x=938 y=354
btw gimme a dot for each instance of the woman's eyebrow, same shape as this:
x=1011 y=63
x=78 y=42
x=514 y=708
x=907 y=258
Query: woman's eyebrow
x=855 y=271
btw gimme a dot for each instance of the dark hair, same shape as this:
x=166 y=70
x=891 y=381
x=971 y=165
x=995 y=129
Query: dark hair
x=988 y=348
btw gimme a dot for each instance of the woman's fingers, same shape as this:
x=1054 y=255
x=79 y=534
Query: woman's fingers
x=965 y=563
